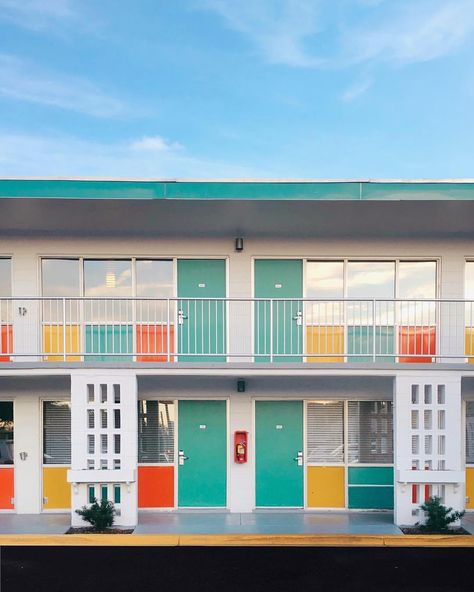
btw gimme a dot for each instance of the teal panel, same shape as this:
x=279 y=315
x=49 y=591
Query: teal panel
x=333 y=191
x=360 y=340
x=279 y=437
x=109 y=339
x=371 y=498
x=278 y=278
x=370 y=476
x=202 y=335
x=202 y=479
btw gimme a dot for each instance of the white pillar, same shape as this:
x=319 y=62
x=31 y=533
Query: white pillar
x=241 y=476
x=428 y=443
x=28 y=495
x=100 y=394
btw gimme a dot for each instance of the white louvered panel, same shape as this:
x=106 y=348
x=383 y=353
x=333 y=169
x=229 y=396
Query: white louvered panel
x=155 y=432
x=370 y=437
x=56 y=432
x=325 y=432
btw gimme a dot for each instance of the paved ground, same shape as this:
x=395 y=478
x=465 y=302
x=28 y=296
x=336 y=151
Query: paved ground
x=34 y=523
x=60 y=569
x=468 y=522
x=266 y=523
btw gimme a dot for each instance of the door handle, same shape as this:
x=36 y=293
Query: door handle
x=181 y=316
x=298 y=318
x=182 y=457
x=299 y=458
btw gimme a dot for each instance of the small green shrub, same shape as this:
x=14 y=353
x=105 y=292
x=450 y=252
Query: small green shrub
x=438 y=517
x=99 y=515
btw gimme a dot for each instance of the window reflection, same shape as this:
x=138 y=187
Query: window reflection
x=60 y=279
x=154 y=279
x=325 y=279
x=367 y=280
x=112 y=279
x=417 y=281
x=5 y=290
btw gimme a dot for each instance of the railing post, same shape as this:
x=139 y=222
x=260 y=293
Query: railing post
x=373 y=331
x=64 y=329
x=271 y=329
x=168 y=329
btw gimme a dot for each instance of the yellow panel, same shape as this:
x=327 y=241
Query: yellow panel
x=56 y=488
x=53 y=342
x=326 y=487
x=325 y=340
x=470 y=488
x=469 y=343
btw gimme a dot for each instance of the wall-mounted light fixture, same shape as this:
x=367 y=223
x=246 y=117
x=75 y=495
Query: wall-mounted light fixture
x=241 y=386
x=239 y=244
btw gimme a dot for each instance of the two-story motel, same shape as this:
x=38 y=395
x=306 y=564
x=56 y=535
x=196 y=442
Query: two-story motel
x=143 y=323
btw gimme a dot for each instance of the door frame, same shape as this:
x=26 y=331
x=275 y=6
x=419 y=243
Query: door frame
x=177 y=507
x=254 y=451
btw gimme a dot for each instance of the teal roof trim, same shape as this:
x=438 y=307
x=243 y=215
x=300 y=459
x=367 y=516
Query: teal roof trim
x=236 y=190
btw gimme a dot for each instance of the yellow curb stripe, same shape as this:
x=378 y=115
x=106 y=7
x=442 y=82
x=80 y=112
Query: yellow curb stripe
x=237 y=540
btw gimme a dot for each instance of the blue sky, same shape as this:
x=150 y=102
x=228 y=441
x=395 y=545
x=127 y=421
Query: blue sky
x=237 y=88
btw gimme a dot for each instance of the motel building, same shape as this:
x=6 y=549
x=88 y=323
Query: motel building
x=236 y=346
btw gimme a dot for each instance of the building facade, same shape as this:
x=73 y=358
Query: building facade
x=236 y=345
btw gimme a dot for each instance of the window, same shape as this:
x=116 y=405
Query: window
x=6 y=433
x=5 y=292
x=325 y=432
x=154 y=279
x=370 y=435
x=57 y=433
x=60 y=279
x=156 y=431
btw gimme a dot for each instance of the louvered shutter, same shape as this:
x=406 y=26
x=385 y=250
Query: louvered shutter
x=370 y=437
x=155 y=432
x=56 y=433
x=470 y=432
x=325 y=432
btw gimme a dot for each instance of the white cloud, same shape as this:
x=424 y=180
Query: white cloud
x=26 y=82
x=356 y=90
x=36 y=155
x=279 y=28
x=413 y=32
x=154 y=144
x=37 y=14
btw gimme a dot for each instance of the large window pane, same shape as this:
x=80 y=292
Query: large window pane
x=60 y=278
x=370 y=432
x=6 y=433
x=417 y=281
x=5 y=291
x=111 y=279
x=325 y=432
x=156 y=432
x=56 y=433
x=154 y=279
x=367 y=280
x=325 y=279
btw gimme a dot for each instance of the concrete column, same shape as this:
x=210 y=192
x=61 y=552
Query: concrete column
x=427 y=443
x=25 y=313
x=241 y=476
x=28 y=495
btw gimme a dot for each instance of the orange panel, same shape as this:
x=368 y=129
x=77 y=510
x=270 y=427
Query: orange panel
x=469 y=344
x=156 y=487
x=153 y=339
x=417 y=341
x=7 y=342
x=7 y=488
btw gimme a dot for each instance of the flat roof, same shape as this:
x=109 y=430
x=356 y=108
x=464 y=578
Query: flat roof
x=239 y=189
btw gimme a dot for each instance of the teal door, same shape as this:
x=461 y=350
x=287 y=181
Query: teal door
x=201 y=318
x=202 y=454
x=279 y=328
x=278 y=440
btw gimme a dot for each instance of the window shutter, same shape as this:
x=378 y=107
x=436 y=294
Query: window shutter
x=370 y=432
x=470 y=432
x=155 y=432
x=56 y=433
x=325 y=432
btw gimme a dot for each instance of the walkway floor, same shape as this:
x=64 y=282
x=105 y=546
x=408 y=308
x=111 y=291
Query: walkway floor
x=266 y=523
x=34 y=523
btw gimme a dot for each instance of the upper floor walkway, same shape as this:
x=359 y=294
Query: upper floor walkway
x=251 y=330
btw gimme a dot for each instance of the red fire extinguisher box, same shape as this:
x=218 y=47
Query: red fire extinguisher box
x=240 y=447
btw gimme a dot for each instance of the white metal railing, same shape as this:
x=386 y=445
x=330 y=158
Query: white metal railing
x=236 y=329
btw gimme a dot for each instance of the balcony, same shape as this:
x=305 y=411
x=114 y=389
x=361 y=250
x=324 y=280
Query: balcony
x=223 y=330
